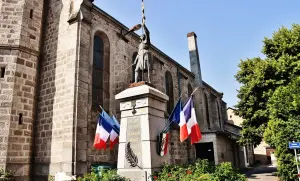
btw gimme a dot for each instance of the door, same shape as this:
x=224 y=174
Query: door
x=205 y=151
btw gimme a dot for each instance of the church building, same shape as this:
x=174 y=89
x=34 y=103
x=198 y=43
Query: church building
x=60 y=60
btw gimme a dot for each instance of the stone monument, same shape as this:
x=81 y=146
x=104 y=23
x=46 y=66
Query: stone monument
x=142 y=119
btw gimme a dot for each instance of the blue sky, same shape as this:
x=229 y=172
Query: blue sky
x=227 y=31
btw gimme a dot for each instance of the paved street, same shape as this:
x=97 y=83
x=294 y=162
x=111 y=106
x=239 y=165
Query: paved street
x=265 y=173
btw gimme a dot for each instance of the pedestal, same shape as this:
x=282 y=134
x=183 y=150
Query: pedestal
x=142 y=119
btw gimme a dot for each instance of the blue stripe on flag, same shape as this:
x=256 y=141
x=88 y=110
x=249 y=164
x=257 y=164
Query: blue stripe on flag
x=187 y=110
x=107 y=117
x=116 y=124
x=105 y=124
x=175 y=115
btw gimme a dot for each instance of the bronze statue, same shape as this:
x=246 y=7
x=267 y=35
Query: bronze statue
x=142 y=60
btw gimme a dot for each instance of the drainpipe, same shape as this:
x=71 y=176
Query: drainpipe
x=74 y=160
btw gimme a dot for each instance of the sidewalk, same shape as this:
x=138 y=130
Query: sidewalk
x=264 y=173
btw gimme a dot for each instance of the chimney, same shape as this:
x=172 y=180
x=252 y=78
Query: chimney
x=194 y=57
x=196 y=70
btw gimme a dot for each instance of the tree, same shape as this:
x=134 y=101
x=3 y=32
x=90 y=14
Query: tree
x=258 y=83
x=284 y=126
x=268 y=101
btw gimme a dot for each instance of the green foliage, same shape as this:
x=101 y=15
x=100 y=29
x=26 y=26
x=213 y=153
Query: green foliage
x=105 y=175
x=51 y=178
x=270 y=97
x=284 y=126
x=6 y=176
x=201 y=170
x=225 y=172
x=256 y=77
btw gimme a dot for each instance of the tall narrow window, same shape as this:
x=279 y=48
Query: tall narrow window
x=169 y=91
x=133 y=67
x=2 y=72
x=100 y=75
x=190 y=90
x=207 y=110
x=31 y=14
x=20 y=118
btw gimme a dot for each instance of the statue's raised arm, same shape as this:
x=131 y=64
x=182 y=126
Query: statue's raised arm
x=147 y=34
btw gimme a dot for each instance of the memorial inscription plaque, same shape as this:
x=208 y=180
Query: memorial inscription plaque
x=134 y=138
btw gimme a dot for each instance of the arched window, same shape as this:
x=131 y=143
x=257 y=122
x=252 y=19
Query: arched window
x=133 y=67
x=169 y=91
x=206 y=110
x=190 y=90
x=219 y=113
x=100 y=75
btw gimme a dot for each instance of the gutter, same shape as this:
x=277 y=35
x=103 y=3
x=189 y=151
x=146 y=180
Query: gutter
x=74 y=147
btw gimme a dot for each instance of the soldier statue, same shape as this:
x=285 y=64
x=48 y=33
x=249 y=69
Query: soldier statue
x=142 y=60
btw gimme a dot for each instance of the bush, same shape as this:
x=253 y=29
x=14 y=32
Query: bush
x=6 y=176
x=105 y=175
x=226 y=172
x=51 y=178
x=201 y=170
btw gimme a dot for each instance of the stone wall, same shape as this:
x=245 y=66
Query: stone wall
x=230 y=151
x=225 y=149
x=21 y=23
x=180 y=153
x=20 y=28
x=260 y=153
x=54 y=138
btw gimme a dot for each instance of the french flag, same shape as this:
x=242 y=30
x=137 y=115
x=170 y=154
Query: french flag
x=188 y=123
x=114 y=134
x=164 y=141
x=164 y=136
x=102 y=133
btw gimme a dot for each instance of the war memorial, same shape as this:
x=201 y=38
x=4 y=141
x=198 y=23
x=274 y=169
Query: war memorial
x=67 y=60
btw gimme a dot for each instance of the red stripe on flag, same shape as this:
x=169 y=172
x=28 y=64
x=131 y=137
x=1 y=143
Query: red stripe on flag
x=112 y=143
x=195 y=134
x=98 y=143
x=183 y=133
x=166 y=144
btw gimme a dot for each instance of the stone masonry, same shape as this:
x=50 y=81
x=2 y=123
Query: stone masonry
x=20 y=41
x=47 y=121
x=54 y=135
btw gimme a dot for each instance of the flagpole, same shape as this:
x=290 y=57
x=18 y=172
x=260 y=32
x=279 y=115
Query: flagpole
x=195 y=90
x=101 y=107
x=126 y=68
x=143 y=24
